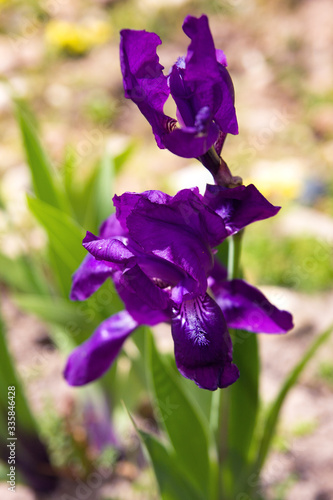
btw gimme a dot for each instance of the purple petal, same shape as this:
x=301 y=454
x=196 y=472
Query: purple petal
x=221 y=57
x=89 y=277
x=145 y=301
x=127 y=201
x=225 y=115
x=189 y=142
x=91 y=359
x=201 y=51
x=218 y=274
x=203 y=348
x=112 y=250
x=182 y=94
x=180 y=233
x=245 y=307
x=111 y=227
x=143 y=78
x=209 y=80
x=187 y=211
x=239 y=206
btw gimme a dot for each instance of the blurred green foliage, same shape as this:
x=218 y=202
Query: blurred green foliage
x=325 y=373
x=302 y=263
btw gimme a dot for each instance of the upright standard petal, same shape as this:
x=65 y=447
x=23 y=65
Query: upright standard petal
x=209 y=80
x=203 y=348
x=245 y=307
x=175 y=233
x=91 y=359
x=144 y=82
x=127 y=202
x=239 y=206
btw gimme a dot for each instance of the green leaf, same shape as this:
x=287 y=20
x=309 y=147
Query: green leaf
x=122 y=158
x=243 y=406
x=104 y=186
x=98 y=194
x=43 y=176
x=8 y=377
x=61 y=272
x=185 y=428
x=22 y=274
x=274 y=412
x=77 y=319
x=64 y=233
x=199 y=397
x=172 y=482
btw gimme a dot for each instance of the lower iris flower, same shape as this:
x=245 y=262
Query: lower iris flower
x=160 y=253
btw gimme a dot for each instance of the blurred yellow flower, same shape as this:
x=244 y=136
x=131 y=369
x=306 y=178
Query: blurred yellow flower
x=282 y=178
x=76 y=38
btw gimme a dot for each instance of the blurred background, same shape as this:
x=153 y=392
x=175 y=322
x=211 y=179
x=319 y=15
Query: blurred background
x=60 y=60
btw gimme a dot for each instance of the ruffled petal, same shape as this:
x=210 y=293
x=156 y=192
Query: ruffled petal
x=143 y=79
x=203 y=348
x=89 y=277
x=245 y=307
x=239 y=206
x=201 y=54
x=127 y=201
x=91 y=359
x=175 y=233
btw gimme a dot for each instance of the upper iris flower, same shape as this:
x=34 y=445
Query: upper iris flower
x=159 y=251
x=199 y=84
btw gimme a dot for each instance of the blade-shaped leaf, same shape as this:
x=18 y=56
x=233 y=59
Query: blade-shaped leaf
x=171 y=480
x=123 y=157
x=243 y=406
x=64 y=233
x=274 y=412
x=103 y=191
x=185 y=428
x=22 y=274
x=77 y=319
x=43 y=176
x=98 y=193
x=61 y=271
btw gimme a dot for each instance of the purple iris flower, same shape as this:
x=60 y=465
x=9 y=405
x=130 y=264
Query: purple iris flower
x=160 y=253
x=199 y=84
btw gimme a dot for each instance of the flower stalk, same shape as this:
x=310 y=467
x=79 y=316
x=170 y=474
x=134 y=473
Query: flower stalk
x=219 y=169
x=234 y=254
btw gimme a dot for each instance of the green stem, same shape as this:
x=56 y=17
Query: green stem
x=234 y=253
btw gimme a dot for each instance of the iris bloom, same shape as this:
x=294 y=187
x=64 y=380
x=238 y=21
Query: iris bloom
x=199 y=84
x=159 y=251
